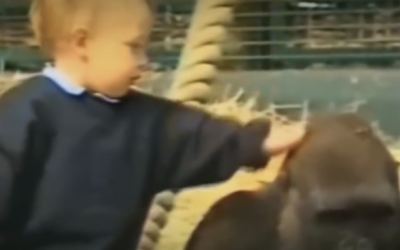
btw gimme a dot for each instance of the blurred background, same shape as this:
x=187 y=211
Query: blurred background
x=321 y=55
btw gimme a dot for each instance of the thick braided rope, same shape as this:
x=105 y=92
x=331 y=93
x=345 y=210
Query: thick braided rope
x=197 y=67
x=193 y=78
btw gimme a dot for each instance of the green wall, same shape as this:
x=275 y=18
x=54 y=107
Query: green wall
x=326 y=90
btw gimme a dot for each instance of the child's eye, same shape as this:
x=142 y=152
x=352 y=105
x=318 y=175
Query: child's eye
x=136 y=48
x=132 y=45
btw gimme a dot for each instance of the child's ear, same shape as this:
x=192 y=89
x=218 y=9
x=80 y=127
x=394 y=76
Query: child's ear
x=79 y=41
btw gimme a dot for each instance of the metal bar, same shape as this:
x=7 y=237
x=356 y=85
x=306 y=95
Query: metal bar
x=256 y=28
x=317 y=56
x=258 y=14
x=300 y=42
x=356 y=43
x=293 y=33
x=308 y=56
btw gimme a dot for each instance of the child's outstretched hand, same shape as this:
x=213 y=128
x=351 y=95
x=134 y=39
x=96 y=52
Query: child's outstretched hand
x=283 y=138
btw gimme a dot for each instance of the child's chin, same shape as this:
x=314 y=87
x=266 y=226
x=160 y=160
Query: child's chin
x=123 y=92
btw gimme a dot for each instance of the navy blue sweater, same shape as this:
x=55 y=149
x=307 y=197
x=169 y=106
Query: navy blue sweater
x=78 y=173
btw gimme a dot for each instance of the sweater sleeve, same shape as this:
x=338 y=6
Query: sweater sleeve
x=199 y=149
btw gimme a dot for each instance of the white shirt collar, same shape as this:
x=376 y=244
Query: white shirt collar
x=69 y=86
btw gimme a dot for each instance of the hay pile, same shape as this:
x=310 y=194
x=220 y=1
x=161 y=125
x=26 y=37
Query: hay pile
x=192 y=204
x=241 y=111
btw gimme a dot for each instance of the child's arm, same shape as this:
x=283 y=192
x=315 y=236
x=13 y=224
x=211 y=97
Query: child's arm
x=198 y=149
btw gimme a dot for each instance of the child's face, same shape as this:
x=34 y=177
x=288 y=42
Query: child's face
x=115 y=57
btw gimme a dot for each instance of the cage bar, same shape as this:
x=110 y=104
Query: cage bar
x=266 y=34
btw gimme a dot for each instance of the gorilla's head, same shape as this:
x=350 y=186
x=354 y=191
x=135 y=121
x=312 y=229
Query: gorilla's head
x=341 y=189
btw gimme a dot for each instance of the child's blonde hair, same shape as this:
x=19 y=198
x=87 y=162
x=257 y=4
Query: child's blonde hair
x=53 y=20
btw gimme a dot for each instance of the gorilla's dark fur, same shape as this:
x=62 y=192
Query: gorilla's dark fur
x=337 y=191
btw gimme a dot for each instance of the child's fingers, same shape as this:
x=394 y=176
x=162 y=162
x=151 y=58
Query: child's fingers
x=283 y=138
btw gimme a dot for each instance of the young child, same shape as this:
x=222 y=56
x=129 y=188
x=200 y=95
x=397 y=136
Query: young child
x=81 y=154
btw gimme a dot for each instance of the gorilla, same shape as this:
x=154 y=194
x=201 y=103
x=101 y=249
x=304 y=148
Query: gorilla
x=337 y=191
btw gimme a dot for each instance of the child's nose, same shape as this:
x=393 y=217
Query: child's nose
x=143 y=63
x=144 y=67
